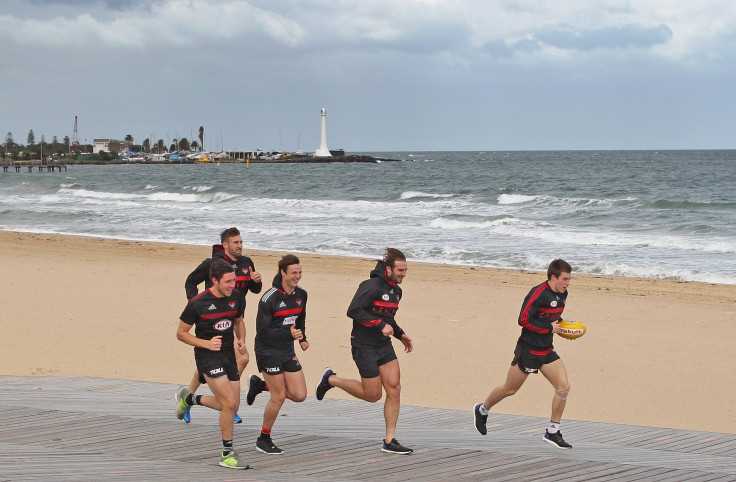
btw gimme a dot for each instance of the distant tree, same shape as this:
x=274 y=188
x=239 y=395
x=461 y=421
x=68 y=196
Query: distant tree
x=9 y=143
x=172 y=148
x=195 y=145
x=147 y=145
x=184 y=144
x=201 y=136
x=160 y=145
x=31 y=138
x=66 y=143
x=129 y=138
x=104 y=155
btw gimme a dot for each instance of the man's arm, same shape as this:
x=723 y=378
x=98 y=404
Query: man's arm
x=239 y=331
x=183 y=335
x=361 y=304
x=196 y=277
x=256 y=282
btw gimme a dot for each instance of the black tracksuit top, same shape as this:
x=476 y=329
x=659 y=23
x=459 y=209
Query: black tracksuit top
x=277 y=312
x=541 y=307
x=374 y=305
x=243 y=268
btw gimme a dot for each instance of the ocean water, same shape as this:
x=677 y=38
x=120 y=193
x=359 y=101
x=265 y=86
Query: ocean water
x=654 y=214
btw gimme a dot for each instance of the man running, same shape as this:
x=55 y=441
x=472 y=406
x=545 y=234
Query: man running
x=246 y=279
x=372 y=310
x=281 y=317
x=217 y=314
x=539 y=319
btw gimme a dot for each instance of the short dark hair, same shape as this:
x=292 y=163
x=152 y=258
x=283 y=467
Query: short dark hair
x=229 y=233
x=557 y=267
x=219 y=268
x=286 y=261
x=391 y=255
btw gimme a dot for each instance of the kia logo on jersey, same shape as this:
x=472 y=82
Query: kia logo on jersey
x=222 y=325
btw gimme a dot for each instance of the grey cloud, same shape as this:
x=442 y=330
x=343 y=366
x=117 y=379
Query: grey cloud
x=628 y=36
x=111 y=4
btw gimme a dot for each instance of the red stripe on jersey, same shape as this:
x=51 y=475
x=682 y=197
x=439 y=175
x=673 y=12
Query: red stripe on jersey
x=200 y=294
x=218 y=314
x=542 y=353
x=524 y=318
x=551 y=310
x=242 y=278
x=293 y=311
x=386 y=304
x=370 y=323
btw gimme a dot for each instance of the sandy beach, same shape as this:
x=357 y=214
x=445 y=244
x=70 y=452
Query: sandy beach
x=654 y=354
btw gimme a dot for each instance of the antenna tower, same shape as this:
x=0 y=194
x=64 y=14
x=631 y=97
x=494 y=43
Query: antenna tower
x=75 y=136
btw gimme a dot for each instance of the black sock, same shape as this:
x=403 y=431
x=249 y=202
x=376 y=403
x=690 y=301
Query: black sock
x=227 y=447
x=189 y=399
x=197 y=400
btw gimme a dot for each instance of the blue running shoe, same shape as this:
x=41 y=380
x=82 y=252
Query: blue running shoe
x=187 y=418
x=237 y=419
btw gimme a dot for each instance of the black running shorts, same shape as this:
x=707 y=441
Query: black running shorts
x=276 y=365
x=530 y=359
x=215 y=364
x=369 y=358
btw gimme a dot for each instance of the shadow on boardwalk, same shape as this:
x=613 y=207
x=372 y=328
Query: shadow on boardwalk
x=74 y=428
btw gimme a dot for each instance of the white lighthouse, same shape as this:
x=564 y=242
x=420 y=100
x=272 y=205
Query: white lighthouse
x=323 y=151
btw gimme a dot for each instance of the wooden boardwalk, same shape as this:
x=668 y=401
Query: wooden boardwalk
x=75 y=428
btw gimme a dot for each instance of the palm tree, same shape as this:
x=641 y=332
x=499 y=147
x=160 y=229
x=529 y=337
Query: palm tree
x=194 y=145
x=201 y=136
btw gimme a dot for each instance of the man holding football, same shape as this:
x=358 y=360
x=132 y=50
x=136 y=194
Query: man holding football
x=539 y=319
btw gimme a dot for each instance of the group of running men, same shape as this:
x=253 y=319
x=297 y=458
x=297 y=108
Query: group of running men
x=217 y=315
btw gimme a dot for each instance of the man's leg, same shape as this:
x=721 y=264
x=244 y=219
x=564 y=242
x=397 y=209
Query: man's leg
x=278 y=394
x=194 y=384
x=226 y=399
x=391 y=381
x=515 y=378
x=295 y=386
x=368 y=389
x=556 y=373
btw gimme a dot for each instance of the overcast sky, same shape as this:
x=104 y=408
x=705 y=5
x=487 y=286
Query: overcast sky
x=392 y=74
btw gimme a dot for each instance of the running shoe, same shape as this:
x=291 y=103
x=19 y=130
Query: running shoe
x=182 y=406
x=187 y=417
x=480 y=419
x=255 y=386
x=556 y=440
x=266 y=446
x=324 y=383
x=237 y=419
x=232 y=461
x=394 y=447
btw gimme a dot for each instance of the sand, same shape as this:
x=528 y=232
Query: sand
x=656 y=352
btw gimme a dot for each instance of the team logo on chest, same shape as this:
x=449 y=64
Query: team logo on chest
x=385 y=297
x=299 y=302
x=232 y=304
x=222 y=325
x=553 y=303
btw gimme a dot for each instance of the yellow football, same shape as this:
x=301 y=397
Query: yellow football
x=571 y=329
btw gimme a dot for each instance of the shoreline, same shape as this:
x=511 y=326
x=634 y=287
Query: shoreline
x=650 y=356
x=338 y=256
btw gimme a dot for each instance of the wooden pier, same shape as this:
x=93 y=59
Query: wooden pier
x=41 y=167
x=77 y=428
